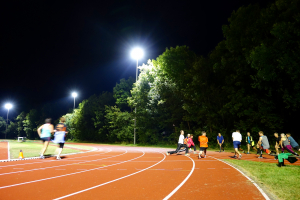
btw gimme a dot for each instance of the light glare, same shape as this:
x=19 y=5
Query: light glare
x=74 y=94
x=137 y=53
x=8 y=106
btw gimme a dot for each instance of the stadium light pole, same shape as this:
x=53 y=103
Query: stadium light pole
x=7 y=106
x=136 y=53
x=74 y=95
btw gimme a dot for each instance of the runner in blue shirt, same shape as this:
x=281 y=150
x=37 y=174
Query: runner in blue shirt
x=220 y=140
x=293 y=142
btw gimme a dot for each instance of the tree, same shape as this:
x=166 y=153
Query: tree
x=122 y=91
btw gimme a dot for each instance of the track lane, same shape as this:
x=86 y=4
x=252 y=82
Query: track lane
x=152 y=183
x=12 y=180
x=66 y=185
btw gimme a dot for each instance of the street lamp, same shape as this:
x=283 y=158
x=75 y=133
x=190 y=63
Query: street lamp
x=136 y=53
x=7 y=106
x=74 y=94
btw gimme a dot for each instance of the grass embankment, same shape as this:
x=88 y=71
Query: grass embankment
x=32 y=149
x=281 y=181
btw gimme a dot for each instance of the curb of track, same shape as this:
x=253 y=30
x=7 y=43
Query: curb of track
x=32 y=158
x=253 y=182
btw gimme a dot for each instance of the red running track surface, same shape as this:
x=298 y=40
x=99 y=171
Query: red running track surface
x=116 y=172
x=3 y=151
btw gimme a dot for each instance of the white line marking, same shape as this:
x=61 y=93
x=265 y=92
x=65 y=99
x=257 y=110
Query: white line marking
x=181 y=184
x=110 y=181
x=29 y=170
x=30 y=158
x=7 y=186
x=8 y=152
x=261 y=191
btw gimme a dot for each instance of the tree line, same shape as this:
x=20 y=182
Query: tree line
x=250 y=82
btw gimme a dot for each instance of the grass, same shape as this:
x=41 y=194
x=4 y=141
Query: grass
x=32 y=149
x=282 y=182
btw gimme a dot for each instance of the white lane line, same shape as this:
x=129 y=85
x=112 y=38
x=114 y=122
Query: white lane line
x=31 y=158
x=261 y=191
x=181 y=184
x=8 y=151
x=29 y=170
x=7 y=186
x=112 y=180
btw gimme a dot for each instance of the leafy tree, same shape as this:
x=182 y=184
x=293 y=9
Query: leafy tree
x=122 y=91
x=119 y=124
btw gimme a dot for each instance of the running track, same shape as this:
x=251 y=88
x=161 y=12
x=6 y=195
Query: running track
x=115 y=172
x=3 y=151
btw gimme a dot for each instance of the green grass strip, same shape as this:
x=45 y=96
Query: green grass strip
x=284 y=182
x=31 y=149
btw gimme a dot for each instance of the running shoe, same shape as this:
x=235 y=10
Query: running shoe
x=240 y=156
x=260 y=157
x=195 y=152
x=199 y=157
x=58 y=158
x=205 y=156
x=167 y=153
x=187 y=154
x=247 y=153
x=42 y=157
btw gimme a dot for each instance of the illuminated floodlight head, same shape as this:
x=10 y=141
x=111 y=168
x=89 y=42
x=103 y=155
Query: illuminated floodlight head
x=8 y=106
x=74 y=94
x=137 y=53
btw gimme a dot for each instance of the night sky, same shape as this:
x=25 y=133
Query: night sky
x=51 y=48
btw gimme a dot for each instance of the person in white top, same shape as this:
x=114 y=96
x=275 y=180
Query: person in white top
x=237 y=139
x=180 y=145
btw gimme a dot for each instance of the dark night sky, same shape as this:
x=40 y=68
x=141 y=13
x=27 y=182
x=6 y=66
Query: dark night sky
x=50 y=48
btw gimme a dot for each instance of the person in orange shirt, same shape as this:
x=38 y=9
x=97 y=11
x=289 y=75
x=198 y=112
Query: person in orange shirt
x=203 y=140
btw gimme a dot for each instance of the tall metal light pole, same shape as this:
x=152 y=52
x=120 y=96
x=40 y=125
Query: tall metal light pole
x=136 y=54
x=7 y=106
x=74 y=94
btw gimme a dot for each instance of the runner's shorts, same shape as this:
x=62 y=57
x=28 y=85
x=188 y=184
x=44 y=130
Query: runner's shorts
x=236 y=144
x=45 y=139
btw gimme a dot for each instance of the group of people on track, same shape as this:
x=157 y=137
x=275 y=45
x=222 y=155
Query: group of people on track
x=283 y=142
x=46 y=130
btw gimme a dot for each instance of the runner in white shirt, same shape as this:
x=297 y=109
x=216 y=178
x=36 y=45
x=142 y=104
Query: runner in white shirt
x=237 y=139
x=180 y=144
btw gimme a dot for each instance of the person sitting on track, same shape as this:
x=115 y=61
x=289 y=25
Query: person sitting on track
x=44 y=132
x=191 y=143
x=237 y=139
x=203 y=140
x=250 y=142
x=60 y=133
x=294 y=144
x=278 y=142
x=179 y=145
x=286 y=144
x=263 y=143
x=220 y=140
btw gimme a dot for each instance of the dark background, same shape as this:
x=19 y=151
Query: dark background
x=51 y=48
